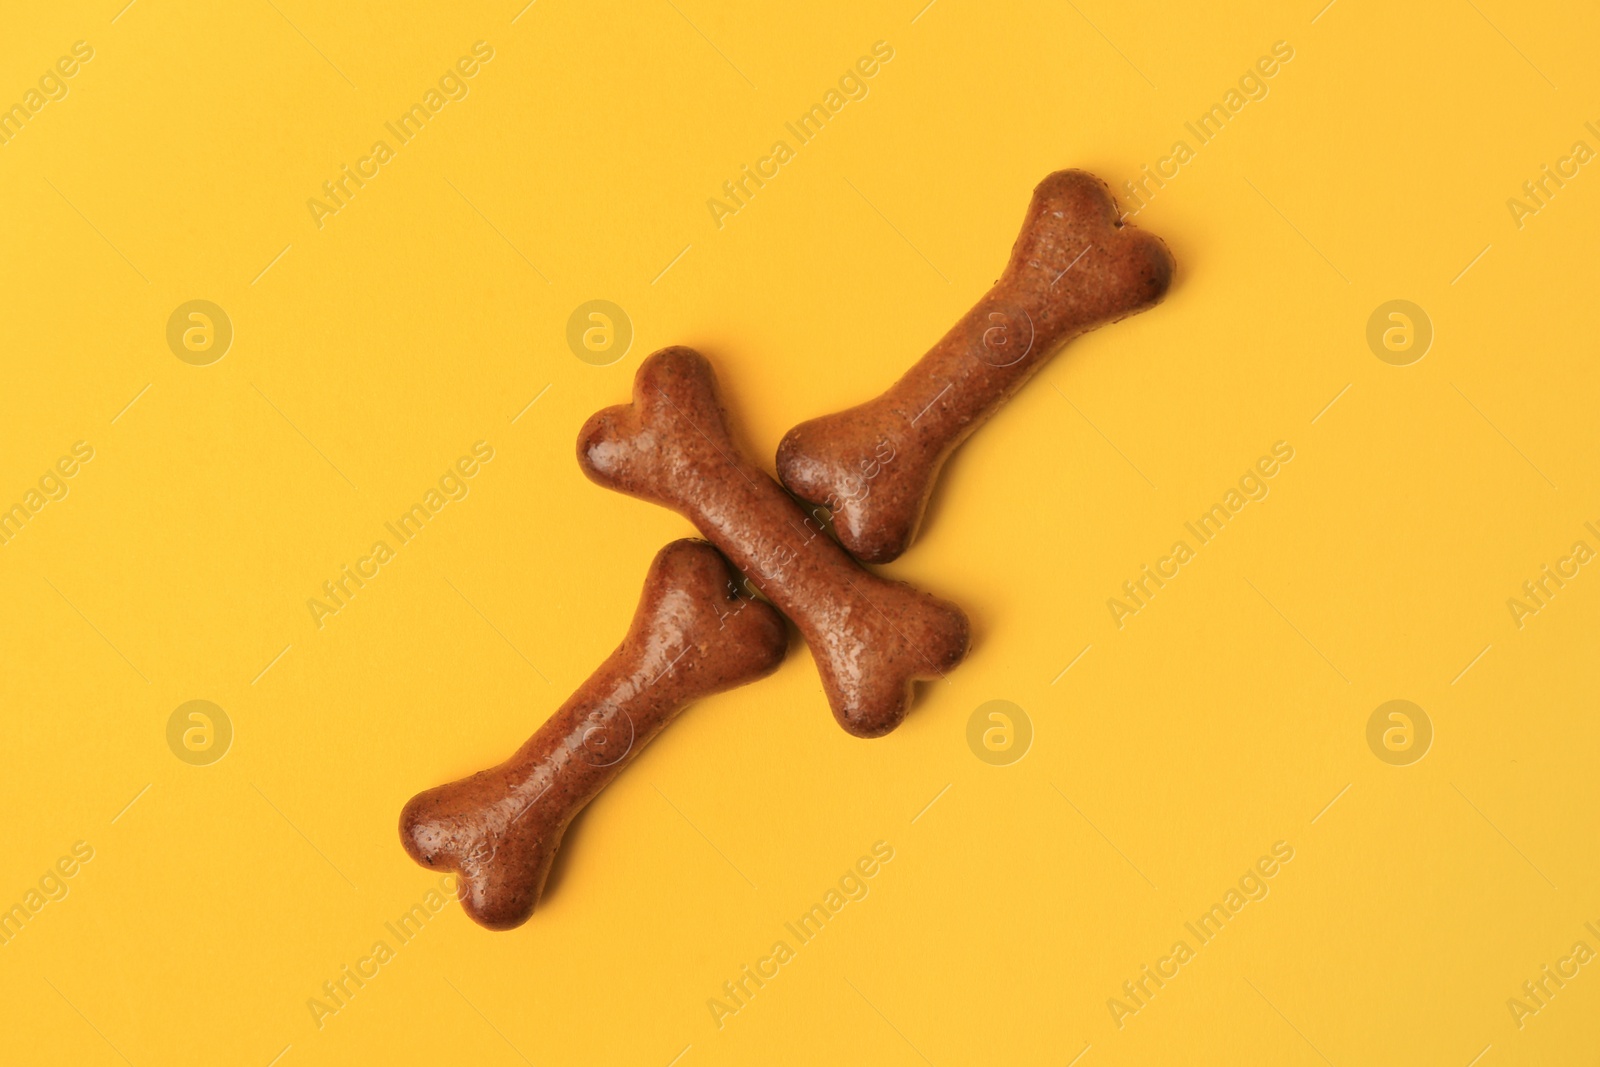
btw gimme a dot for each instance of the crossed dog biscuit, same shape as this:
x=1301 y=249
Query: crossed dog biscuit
x=1075 y=266
x=871 y=637
x=691 y=636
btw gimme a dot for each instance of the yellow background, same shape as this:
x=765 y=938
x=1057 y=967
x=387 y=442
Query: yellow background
x=432 y=309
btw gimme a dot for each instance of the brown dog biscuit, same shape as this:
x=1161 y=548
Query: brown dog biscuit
x=1075 y=266
x=871 y=638
x=691 y=636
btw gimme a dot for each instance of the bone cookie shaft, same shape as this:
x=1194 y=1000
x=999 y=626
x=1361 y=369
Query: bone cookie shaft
x=870 y=637
x=1074 y=267
x=691 y=636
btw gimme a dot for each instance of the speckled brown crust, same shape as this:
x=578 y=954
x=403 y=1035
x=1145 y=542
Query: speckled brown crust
x=1074 y=267
x=691 y=636
x=870 y=637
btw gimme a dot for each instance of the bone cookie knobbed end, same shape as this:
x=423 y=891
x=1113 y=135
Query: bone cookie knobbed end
x=692 y=635
x=1077 y=264
x=871 y=638
x=638 y=448
x=1116 y=269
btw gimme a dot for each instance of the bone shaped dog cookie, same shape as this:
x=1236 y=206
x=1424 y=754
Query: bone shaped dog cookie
x=691 y=636
x=871 y=638
x=1074 y=267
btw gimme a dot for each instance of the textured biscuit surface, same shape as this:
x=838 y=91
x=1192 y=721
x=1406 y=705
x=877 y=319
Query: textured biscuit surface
x=1074 y=267
x=871 y=637
x=691 y=636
